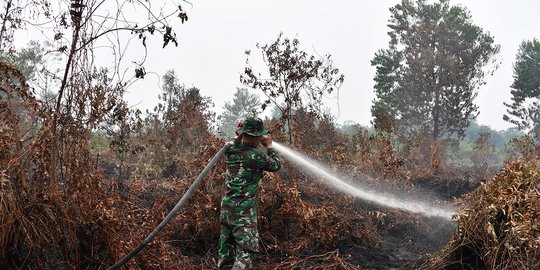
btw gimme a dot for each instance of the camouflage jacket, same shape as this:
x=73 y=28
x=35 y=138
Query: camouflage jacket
x=245 y=166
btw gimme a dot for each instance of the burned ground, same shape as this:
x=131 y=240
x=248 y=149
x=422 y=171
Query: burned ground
x=68 y=208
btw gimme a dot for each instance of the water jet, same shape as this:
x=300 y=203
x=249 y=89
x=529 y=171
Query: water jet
x=315 y=168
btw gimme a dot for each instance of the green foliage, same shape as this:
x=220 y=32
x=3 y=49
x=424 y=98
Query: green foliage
x=54 y=199
x=499 y=139
x=35 y=63
x=28 y=60
x=426 y=80
x=524 y=111
x=243 y=105
x=351 y=128
x=99 y=143
x=482 y=142
x=388 y=64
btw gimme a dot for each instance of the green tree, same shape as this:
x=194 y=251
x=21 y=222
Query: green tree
x=35 y=64
x=28 y=60
x=244 y=104
x=294 y=77
x=524 y=111
x=350 y=128
x=428 y=77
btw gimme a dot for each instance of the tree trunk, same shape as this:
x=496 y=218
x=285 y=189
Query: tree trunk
x=436 y=115
x=54 y=151
x=290 y=126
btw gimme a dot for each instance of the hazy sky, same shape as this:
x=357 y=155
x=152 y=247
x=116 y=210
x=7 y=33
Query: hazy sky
x=211 y=55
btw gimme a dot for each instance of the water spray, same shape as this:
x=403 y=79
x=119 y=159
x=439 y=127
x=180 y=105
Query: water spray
x=319 y=170
x=314 y=168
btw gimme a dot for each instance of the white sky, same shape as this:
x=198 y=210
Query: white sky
x=211 y=47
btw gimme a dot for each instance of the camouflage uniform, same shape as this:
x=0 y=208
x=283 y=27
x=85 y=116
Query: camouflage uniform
x=239 y=241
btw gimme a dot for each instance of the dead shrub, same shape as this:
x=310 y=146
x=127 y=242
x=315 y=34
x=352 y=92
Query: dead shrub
x=501 y=228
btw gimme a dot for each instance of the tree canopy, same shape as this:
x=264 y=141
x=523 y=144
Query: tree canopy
x=244 y=104
x=524 y=111
x=427 y=78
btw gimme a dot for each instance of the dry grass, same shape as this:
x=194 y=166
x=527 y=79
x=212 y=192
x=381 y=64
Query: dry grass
x=59 y=210
x=501 y=228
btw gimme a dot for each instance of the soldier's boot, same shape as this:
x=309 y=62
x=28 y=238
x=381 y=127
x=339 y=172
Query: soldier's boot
x=244 y=260
x=225 y=265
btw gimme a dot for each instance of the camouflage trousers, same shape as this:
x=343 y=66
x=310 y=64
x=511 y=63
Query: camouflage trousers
x=239 y=239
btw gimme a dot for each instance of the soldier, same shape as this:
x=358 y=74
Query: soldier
x=239 y=239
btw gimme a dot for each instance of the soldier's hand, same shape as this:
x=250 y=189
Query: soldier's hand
x=238 y=136
x=266 y=141
x=237 y=127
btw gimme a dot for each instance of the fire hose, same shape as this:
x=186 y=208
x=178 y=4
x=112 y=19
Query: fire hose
x=173 y=212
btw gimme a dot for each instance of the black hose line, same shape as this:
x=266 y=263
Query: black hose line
x=173 y=212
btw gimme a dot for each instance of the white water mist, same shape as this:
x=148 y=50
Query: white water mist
x=319 y=170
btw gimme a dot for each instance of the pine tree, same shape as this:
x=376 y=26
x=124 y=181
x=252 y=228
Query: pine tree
x=524 y=111
x=427 y=79
x=243 y=105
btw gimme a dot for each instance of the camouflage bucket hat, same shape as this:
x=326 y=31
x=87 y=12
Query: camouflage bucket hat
x=253 y=127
